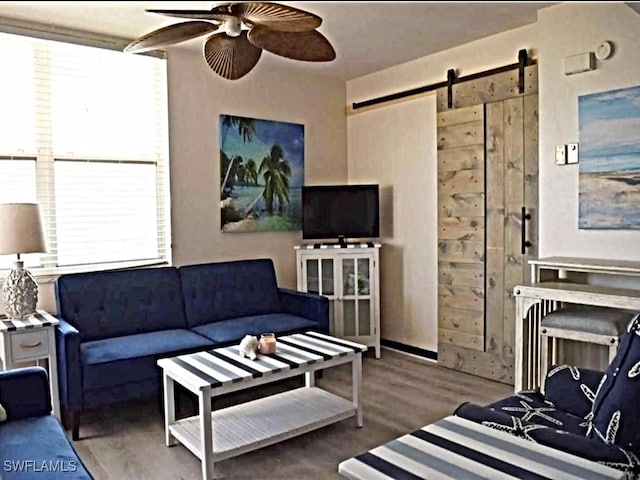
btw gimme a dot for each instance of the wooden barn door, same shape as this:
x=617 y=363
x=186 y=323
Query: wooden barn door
x=487 y=173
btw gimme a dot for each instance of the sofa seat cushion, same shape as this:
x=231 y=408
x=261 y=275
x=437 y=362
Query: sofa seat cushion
x=531 y=407
x=119 y=360
x=37 y=448
x=229 y=331
x=589 y=319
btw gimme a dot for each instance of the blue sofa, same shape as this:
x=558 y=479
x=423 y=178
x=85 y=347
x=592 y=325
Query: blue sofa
x=33 y=443
x=115 y=325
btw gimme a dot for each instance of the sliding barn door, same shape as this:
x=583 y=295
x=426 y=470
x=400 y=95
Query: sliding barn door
x=487 y=188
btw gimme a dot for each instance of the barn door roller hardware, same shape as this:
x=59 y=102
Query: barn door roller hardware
x=523 y=61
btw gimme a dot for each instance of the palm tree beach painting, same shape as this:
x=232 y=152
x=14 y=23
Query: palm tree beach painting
x=261 y=174
x=609 y=167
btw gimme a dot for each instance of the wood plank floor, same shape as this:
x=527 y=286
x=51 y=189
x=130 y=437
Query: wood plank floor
x=401 y=394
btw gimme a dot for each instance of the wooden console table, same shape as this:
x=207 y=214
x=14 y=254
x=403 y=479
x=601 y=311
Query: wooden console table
x=548 y=268
x=535 y=301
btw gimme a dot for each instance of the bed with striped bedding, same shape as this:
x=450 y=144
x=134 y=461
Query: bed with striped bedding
x=456 y=448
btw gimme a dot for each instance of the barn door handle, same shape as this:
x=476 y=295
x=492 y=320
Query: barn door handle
x=524 y=217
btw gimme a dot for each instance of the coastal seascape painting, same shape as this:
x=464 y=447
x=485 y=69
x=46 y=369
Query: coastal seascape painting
x=261 y=174
x=609 y=167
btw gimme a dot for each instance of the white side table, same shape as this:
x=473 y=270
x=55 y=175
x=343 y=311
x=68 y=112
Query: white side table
x=31 y=339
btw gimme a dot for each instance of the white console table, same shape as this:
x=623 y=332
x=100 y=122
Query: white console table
x=559 y=280
x=548 y=268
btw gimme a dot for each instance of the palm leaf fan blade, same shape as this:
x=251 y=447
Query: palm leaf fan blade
x=309 y=46
x=170 y=35
x=276 y=17
x=231 y=57
x=216 y=14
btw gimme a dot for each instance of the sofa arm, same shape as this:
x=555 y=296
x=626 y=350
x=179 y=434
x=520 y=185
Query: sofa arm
x=572 y=389
x=307 y=305
x=69 y=366
x=24 y=392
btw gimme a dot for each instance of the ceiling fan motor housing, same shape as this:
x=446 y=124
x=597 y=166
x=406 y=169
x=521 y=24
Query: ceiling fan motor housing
x=233 y=27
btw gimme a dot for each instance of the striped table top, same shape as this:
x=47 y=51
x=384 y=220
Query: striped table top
x=38 y=320
x=324 y=246
x=222 y=366
x=456 y=448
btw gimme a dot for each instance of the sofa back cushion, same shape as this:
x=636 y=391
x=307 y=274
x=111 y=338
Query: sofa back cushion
x=224 y=290
x=112 y=304
x=615 y=415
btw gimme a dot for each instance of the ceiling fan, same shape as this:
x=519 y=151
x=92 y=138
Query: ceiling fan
x=242 y=31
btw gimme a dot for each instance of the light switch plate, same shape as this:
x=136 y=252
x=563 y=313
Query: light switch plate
x=572 y=153
x=561 y=154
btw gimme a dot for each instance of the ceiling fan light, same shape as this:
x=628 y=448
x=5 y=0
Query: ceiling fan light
x=233 y=27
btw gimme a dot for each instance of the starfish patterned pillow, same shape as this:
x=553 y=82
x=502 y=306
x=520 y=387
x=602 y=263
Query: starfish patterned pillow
x=572 y=389
x=615 y=418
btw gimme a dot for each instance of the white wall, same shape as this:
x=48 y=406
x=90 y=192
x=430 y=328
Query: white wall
x=383 y=150
x=196 y=99
x=564 y=30
x=396 y=147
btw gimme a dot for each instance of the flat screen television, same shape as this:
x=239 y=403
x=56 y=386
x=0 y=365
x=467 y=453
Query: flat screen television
x=340 y=212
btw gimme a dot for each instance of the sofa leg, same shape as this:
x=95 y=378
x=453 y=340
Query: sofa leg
x=75 y=426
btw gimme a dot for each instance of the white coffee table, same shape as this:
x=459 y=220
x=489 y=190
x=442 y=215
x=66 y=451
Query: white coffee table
x=217 y=435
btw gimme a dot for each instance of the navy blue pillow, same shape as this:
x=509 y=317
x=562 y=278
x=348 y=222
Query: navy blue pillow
x=572 y=389
x=616 y=409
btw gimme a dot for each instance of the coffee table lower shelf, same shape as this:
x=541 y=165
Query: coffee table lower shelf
x=242 y=428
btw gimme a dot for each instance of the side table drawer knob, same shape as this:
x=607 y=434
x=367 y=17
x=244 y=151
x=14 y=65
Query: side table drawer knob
x=31 y=345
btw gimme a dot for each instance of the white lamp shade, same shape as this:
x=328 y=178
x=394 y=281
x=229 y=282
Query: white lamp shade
x=21 y=228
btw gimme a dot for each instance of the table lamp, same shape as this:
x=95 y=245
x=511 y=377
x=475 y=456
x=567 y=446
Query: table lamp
x=20 y=232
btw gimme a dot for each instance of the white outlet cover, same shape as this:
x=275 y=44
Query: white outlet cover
x=561 y=154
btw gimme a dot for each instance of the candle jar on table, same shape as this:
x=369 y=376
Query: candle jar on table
x=267 y=343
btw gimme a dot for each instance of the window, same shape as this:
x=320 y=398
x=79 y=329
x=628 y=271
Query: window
x=83 y=132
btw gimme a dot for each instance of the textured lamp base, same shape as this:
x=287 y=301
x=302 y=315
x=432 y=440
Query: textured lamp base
x=20 y=292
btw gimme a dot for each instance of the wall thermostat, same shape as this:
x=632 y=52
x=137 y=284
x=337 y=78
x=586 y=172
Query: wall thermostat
x=604 y=50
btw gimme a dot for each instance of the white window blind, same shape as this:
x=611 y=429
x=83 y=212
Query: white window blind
x=84 y=131
x=18 y=184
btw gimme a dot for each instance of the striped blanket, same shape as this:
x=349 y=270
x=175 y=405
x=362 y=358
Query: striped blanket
x=456 y=448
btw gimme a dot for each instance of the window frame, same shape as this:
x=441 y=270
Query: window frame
x=45 y=160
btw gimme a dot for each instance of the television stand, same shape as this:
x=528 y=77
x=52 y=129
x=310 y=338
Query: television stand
x=347 y=274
